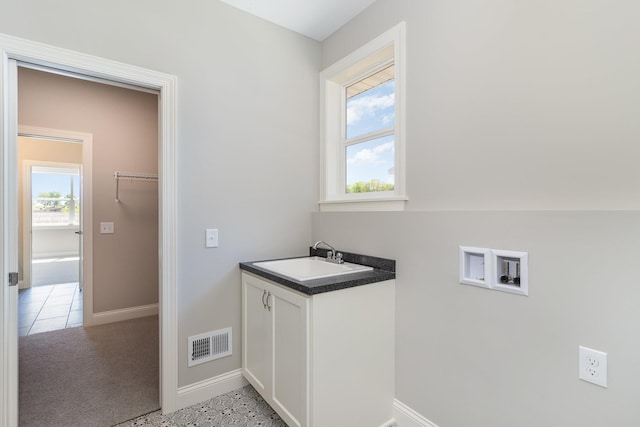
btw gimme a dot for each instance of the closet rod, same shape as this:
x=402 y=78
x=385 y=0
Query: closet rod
x=132 y=176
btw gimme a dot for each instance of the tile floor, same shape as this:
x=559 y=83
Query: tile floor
x=51 y=271
x=49 y=308
x=242 y=407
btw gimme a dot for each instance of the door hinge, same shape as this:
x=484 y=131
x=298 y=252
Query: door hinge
x=13 y=279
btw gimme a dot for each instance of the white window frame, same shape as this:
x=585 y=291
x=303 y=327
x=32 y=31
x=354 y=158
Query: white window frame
x=386 y=49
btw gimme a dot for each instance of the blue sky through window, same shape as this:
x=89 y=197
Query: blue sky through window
x=371 y=160
x=371 y=111
x=46 y=182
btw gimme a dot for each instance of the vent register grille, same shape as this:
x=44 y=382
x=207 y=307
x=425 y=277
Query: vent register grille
x=209 y=346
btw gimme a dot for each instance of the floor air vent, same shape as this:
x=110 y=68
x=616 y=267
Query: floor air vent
x=209 y=346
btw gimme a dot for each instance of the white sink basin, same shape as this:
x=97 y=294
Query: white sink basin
x=309 y=268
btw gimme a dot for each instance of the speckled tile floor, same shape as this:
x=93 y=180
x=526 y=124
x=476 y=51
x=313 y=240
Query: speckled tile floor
x=242 y=407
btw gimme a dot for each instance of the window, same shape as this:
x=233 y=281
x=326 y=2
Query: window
x=362 y=127
x=370 y=133
x=55 y=196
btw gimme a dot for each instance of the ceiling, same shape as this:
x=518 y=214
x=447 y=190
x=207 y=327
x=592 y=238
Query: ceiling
x=317 y=19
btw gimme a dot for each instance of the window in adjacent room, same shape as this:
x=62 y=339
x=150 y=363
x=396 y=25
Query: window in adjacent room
x=363 y=144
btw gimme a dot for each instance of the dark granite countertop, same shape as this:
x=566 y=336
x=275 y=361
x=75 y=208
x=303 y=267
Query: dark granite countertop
x=383 y=269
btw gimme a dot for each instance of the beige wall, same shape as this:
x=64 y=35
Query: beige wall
x=124 y=126
x=522 y=134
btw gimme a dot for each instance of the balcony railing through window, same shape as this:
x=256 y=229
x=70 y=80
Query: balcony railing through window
x=55 y=211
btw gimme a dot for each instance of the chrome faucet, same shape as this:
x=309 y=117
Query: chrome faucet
x=332 y=255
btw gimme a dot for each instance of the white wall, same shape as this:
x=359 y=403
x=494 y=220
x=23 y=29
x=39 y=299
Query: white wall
x=522 y=134
x=247 y=134
x=54 y=242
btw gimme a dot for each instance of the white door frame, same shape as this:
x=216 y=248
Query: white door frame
x=27 y=215
x=12 y=51
x=86 y=188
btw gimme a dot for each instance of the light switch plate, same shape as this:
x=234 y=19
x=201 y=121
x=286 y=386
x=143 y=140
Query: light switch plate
x=211 y=238
x=107 y=228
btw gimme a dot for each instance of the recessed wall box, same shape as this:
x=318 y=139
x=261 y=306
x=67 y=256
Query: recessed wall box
x=510 y=271
x=475 y=266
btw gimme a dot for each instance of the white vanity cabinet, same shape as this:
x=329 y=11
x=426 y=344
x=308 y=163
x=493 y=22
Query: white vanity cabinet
x=274 y=351
x=320 y=360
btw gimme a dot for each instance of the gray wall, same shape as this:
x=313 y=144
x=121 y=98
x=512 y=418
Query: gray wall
x=522 y=134
x=247 y=135
x=467 y=356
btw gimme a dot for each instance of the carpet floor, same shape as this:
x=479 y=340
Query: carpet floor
x=93 y=377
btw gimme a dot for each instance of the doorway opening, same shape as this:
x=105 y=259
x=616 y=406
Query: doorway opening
x=125 y=283
x=13 y=50
x=55 y=225
x=50 y=297
x=123 y=124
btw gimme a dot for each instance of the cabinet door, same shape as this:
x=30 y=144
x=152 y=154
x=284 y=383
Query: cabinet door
x=290 y=354
x=256 y=332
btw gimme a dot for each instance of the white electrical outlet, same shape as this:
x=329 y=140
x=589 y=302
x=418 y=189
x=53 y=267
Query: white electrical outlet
x=593 y=366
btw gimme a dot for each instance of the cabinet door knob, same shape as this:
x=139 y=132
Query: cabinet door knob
x=268 y=305
x=264 y=294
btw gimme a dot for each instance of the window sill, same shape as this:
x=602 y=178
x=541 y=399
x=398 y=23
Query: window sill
x=363 y=205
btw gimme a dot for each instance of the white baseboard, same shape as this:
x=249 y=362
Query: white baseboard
x=407 y=417
x=208 y=389
x=113 y=316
